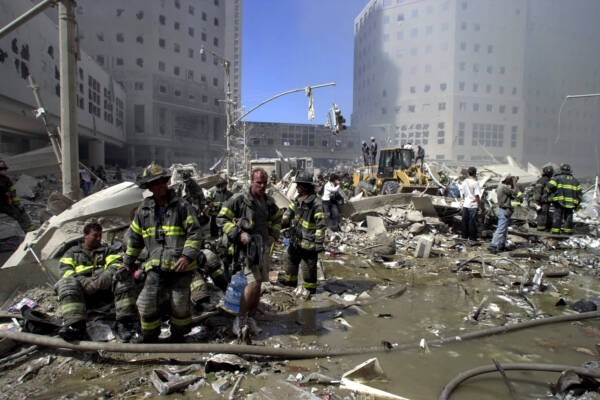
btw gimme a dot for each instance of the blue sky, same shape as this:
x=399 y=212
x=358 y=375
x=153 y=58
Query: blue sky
x=289 y=44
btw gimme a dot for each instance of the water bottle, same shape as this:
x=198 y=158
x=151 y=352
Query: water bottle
x=233 y=294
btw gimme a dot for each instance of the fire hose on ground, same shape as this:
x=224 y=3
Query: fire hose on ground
x=453 y=384
x=282 y=353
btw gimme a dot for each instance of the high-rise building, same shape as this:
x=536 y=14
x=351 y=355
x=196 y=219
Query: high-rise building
x=176 y=94
x=478 y=79
x=32 y=49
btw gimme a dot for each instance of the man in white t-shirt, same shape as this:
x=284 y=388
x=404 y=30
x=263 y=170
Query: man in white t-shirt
x=331 y=195
x=471 y=193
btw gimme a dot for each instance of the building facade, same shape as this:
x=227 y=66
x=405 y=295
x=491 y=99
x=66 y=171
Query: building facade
x=303 y=140
x=32 y=49
x=176 y=93
x=476 y=80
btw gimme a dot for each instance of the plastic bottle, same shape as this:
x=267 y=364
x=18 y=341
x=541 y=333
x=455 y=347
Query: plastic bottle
x=233 y=294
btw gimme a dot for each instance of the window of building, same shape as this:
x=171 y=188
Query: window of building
x=176 y=48
x=386 y=19
x=463 y=46
x=384 y=93
x=462 y=66
x=202 y=78
x=93 y=96
x=489 y=108
x=400 y=35
x=386 y=37
x=441 y=106
x=462 y=106
x=139 y=62
x=191 y=53
x=100 y=37
x=445 y=27
x=489 y=69
x=190 y=75
x=488 y=88
x=476 y=27
x=428 y=49
x=120 y=113
x=461 y=86
x=427 y=88
x=120 y=11
x=490 y=49
x=429 y=30
x=176 y=71
x=191 y=31
x=414 y=32
x=204 y=98
x=176 y=26
x=120 y=37
x=203 y=36
x=161 y=66
x=475 y=67
x=161 y=43
x=119 y=61
x=177 y=93
x=428 y=68
x=140 y=39
x=203 y=16
x=177 y=4
x=215 y=82
x=191 y=10
x=217 y=3
x=413 y=89
x=138 y=85
x=502 y=70
x=441 y=137
x=515 y=110
x=203 y=57
x=476 y=47
x=475 y=107
x=216 y=21
x=411 y=108
x=463 y=26
x=475 y=87
x=162 y=19
x=162 y=89
x=215 y=61
x=513 y=137
x=400 y=17
x=502 y=109
x=514 y=91
x=216 y=42
x=429 y=10
x=415 y=13
x=139 y=118
x=461 y=134
x=443 y=86
x=383 y=110
x=100 y=59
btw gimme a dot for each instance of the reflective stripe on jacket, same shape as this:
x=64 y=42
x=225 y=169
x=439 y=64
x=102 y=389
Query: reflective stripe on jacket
x=565 y=190
x=308 y=220
x=217 y=197
x=76 y=260
x=178 y=235
x=242 y=205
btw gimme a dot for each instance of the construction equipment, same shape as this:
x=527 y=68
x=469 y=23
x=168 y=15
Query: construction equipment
x=395 y=172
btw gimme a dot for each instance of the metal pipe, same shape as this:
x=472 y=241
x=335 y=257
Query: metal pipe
x=68 y=106
x=26 y=16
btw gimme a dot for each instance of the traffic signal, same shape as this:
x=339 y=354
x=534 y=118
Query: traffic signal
x=338 y=119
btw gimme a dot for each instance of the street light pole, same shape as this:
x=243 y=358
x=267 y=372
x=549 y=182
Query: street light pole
x=228 y=105
x=573 y=96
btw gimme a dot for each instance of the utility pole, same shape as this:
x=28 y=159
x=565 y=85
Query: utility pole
x=68 y=50
x=68 y=108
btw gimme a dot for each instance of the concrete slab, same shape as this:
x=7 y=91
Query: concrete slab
x=424 y=205
x=375 y=226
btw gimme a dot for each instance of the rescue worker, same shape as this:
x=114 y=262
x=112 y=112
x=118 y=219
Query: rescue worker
x=168 y=228
x=118 y=176
x=420 y=155
x=90 y=271
x=564 y=192
x=252 y=221
x=332 y=196
x=540 y=198
x=507 y=190
x=373 y=152
x=347 y=185
x=443 y=178
x=217 y=196
x=365 y=153
x=516 y=201
x=471 y=192
x=191 y=192
x=273 y=178
x=10 y=204
x=306 y=222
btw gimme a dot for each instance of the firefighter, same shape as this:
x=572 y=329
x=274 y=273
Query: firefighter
x=10 y=203
x=192 y=193
x=306 y=221
x=216 y=197
x=168 y=228
x=252 y=221
x=564 y=192
x=365 y=153
x=540 y=198
x=90 y=271
x=516 y=201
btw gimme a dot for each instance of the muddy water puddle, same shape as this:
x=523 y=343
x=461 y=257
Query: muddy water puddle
x=431 y=302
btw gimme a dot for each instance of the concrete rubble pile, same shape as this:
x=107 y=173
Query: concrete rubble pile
x=397 y=272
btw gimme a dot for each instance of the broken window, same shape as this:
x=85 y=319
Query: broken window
x=3 y=56
x=25 y=52
x=176 y=71
x=119 y=11
x=120 y=37
x=140 y=15
x=161 y=66
x=100 y=59
x=203 y=16
x=140 y=62
x=191 y=31
x=162 y=19
x=140 y=39
x=191 y=53
x=176 y=47
x=216 y=21
x=176 y=26
x=191 y=10
x=216 y=42
x=161 y=43
x=14 y=46
x=215 y=82
x=203 y=36
x=162 y=89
